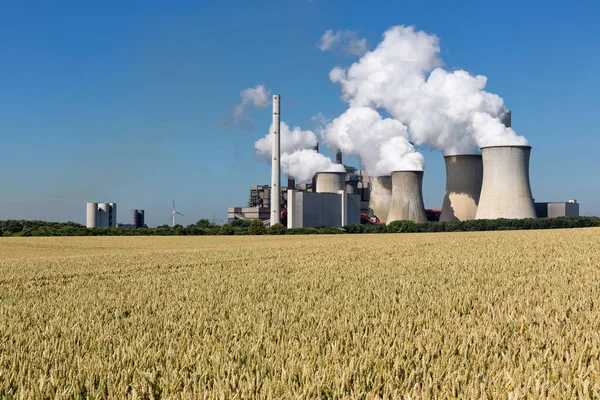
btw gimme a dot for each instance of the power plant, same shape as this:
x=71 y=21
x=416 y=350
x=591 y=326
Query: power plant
x=407 y=197
x=464 y=175
x=493 y=184
x=505 y=190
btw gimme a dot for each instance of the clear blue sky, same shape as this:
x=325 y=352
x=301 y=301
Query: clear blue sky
x=119 y=100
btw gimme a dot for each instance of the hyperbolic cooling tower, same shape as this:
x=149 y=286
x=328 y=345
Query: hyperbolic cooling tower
x=505 y=192
x=407 y=197
x=464 y=174
x=380 y=196
x=331 y=182
x=91 y=213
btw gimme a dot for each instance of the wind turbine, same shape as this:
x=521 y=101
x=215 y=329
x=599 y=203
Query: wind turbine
x=175 y=212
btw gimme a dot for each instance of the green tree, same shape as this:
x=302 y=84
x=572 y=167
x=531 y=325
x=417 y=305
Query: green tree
x=277 y=229
x=226 y=230
x=256 y=227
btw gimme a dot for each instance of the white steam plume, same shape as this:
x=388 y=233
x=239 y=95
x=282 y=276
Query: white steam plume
x=347 y=41
x=258 y=96
x=304 y=164
x=381 y=144
x=291 y=140
x=298 y=159
x=449 y=111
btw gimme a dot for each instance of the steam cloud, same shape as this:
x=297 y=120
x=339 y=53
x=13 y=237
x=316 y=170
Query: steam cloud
x=381 y=144
x=449 y=111
x=347 y=41
x=258 y=96
x=298 y=159
x=304 y=164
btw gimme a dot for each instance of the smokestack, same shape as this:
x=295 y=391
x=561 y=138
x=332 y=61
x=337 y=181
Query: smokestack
x=331 y=182
x=507 y=119
x=276 y=165
x=338 y=157
x=314 y=179
x=505 y=191
x=464 y=175
x=380 y=196
x=407 y=197
x=291 y=185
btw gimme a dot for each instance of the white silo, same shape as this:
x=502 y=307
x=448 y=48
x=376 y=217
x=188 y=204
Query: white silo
x=102 y=217
x=331 y=182
x=380 y=196
x=91 y=220
x=407 y=197
x=505 y=191
x=464 y=175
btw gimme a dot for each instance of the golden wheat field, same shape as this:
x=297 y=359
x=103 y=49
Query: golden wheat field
x=465 y=315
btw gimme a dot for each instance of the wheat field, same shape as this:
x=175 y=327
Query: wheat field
x=463 y=315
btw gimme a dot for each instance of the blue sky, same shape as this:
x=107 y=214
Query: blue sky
x=119 y=101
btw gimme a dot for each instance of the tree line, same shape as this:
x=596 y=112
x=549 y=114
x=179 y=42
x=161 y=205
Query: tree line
x=17 y=228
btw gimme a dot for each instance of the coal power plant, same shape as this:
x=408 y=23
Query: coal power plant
x=323 y=192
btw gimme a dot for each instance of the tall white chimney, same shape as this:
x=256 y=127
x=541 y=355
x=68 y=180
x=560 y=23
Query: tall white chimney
x=276 y=165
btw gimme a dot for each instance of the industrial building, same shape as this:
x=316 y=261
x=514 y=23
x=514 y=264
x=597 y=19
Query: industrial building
x=101 y=215
x=557 y=209
x=306 y=210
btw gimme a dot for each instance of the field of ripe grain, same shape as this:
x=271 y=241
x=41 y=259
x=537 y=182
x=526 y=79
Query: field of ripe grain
x=466 y=315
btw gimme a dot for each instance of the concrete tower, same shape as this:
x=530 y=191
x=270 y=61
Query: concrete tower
x=380 y=196
x=464 y=174
x=276 y=165
x=91 y=215
x=505 y=191
x=331 y=182
x=407 y=197
x=102 y=216
x=112 y=215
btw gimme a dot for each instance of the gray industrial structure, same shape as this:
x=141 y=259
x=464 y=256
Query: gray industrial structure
x=505 y=191
x=331 y=182
x=306 y=210
x=464 y=176
x=101 y=215
x=557 y=209
x=407 y=197
x=137 y=218
x=380 y=197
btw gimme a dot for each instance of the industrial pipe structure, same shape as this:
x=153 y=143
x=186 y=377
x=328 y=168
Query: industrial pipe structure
x=464 y=176
x=407 y=197
x=505 y=191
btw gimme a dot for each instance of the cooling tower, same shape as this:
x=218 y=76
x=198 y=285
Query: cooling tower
x=380 y=196
x=464 y=174
x=505 y=191
x=102 y=216
x=331 y=182
x=407 y=197
x=91 y=215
